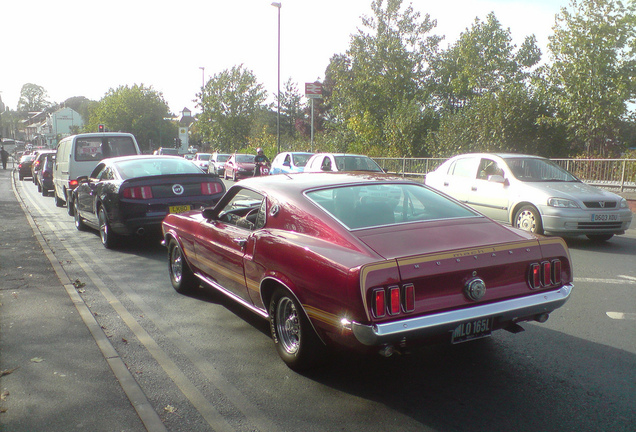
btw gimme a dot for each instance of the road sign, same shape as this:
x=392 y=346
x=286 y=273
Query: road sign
x=313 y=90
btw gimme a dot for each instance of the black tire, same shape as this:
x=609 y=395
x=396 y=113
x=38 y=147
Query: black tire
x=233 y=175
x=296 y=341
x=21 y=177
x=58 y=201
x=599 y=238
x=79 y=222
x=108 y=237
x=45 y=191
x=70 y=208
x=181 y=276
x=39 y=187
x=528 y=218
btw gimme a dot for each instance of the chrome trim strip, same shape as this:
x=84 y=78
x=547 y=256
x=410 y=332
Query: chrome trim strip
x=233 y=296
x=440 y=323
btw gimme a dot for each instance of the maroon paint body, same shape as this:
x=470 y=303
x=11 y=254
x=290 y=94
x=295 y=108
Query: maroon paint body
x=334 y=272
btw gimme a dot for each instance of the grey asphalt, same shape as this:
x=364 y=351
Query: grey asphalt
x=58 y=369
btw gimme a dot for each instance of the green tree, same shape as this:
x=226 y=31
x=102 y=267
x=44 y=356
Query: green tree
x=381 y=72
x=33 y=98
x=482 y=60
x=591 y=76
x=290 y=108
x=230 y=102
x=502 y=121
x=138 y=110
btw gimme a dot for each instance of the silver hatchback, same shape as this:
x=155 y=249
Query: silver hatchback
x=532 y=193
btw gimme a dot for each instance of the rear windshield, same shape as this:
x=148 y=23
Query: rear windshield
x=369 y=205
x=143 y=167
x=222 y=157
x=98 y=148
x=243 y=158
x=356 y=163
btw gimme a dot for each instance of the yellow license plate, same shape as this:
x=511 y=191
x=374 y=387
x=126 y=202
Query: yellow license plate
x=179 y=209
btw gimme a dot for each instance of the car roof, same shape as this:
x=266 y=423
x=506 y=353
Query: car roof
x=136 y=157
x=499 y=155
x=298 y=182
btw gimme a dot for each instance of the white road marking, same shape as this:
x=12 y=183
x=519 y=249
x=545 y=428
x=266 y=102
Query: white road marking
x=630 y=281
x=621 y=315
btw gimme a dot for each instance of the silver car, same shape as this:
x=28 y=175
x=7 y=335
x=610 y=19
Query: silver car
x=532 y=193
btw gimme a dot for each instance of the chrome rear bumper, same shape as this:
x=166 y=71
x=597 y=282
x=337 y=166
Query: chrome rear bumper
x=446 y=322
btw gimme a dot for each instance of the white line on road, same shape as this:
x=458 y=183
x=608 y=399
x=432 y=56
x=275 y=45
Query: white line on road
x=621 y=315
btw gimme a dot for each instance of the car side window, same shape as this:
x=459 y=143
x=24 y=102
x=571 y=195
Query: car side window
x=487 y=168
x=464 y=167
x=244 y=210
x=326 y=164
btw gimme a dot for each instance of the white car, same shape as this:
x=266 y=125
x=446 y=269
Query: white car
x=532 y=193
x=325 y=162
x=202 y=160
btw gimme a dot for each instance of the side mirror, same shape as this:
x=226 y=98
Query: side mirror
x=209 y=213
x=286 y=163
x=82 y=179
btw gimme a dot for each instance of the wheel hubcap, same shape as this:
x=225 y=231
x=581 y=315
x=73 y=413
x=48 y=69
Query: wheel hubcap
x=526 y=221
x=288 y=325
x=176 y=265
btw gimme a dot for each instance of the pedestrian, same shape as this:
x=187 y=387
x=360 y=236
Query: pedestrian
x=5 y=156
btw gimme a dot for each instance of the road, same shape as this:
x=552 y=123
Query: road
x=205 y=364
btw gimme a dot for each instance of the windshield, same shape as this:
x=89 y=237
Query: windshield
x=155 y=166
x=204 y=156
x=368 y=205
x=300 y=160
x=538 y=170
x=356 y=163
x=222 y=158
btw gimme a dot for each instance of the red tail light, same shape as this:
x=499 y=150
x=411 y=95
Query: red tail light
x=394 y=300
x=137 y=192
x=556 y=272
x=409 y=298
x=378 y=303
x=211 y=188
x=535 y=276
x=72 y=184
x=546 y=272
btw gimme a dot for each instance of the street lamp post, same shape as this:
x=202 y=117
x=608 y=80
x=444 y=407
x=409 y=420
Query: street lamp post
x=278 y=6
x=202 y=77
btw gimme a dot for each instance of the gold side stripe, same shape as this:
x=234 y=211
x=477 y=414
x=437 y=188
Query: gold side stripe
x=321 y=315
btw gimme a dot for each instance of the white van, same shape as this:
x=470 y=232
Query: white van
x=78 y=155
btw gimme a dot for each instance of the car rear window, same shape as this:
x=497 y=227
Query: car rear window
x=98 y=148
x=365 y=206
x=156 y=166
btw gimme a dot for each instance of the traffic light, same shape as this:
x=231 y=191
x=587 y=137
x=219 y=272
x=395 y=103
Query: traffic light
x=101 y=128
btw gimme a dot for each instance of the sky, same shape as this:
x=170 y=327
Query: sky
x=84 y=48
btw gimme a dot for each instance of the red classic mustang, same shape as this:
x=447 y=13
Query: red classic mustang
x=365 y=260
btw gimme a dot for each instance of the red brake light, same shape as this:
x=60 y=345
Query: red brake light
x=378 y=303
x=556 y=271
x=72 y=184
x=409 y=298
x=394 y=299
x=137 y=192
x=210 y=188
x=535 y=276
x=546 y=272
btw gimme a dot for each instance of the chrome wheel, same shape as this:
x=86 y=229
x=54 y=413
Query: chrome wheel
x=176 y=265
x=288 y=326
x=181 y=277
x=108 y=238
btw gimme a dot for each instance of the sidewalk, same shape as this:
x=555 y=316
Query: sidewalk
x=54 y=376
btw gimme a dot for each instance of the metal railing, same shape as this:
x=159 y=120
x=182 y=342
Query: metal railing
x=615 y=174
